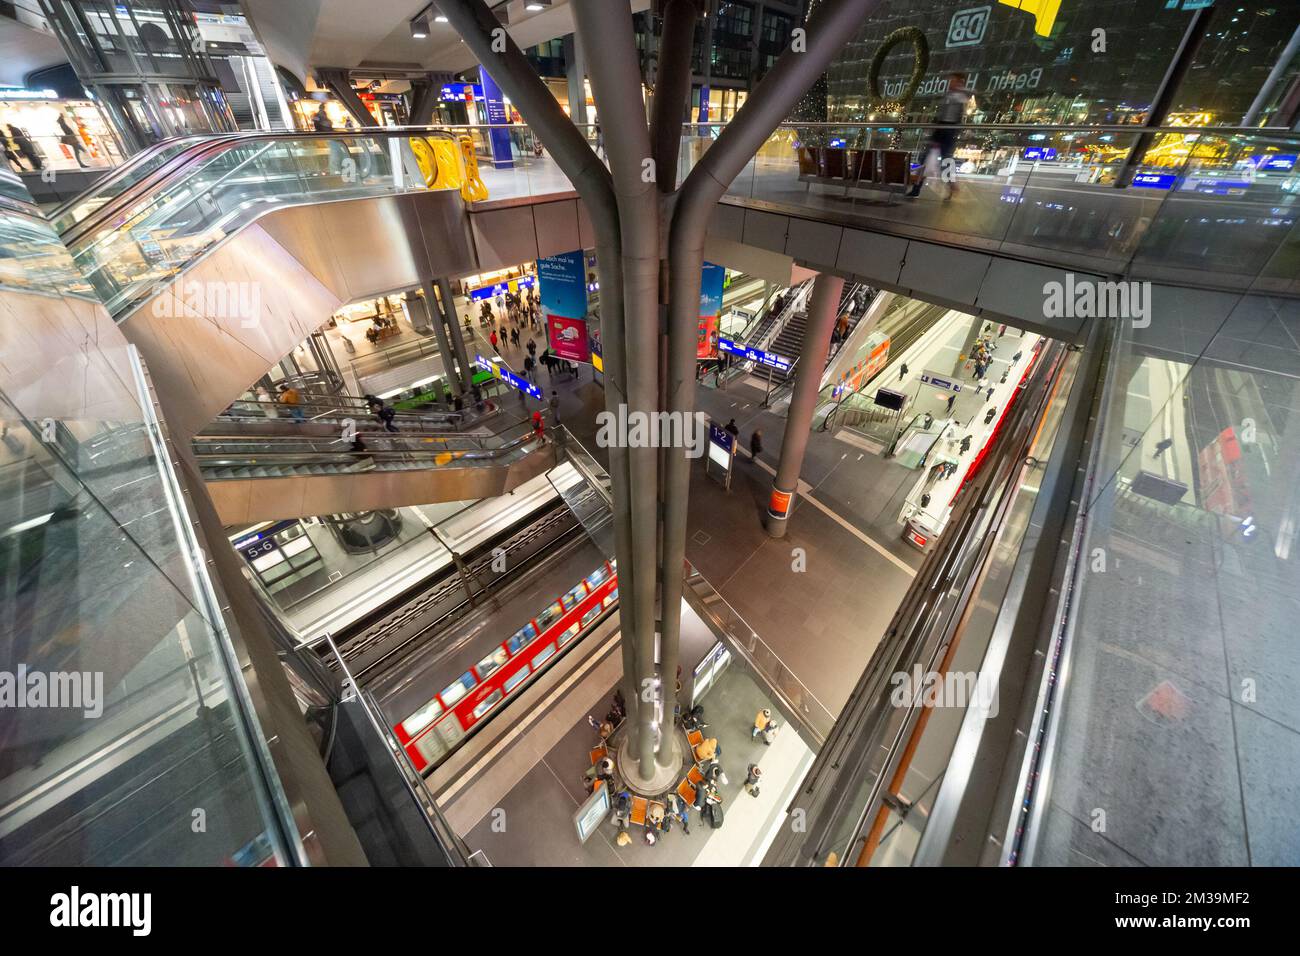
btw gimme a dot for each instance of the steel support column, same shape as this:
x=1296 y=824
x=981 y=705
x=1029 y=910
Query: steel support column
x=798 y=422
x=457 y=337
x=457 y=378
x=605 y=32
x=766 y=108
x=477 y=26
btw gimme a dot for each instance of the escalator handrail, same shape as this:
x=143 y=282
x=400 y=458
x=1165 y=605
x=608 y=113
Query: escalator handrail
x=211 y=146
x=120 y=172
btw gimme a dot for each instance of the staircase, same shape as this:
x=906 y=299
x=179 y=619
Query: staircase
x=789 y=341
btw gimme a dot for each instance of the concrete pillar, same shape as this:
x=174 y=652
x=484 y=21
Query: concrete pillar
x=798 y=423
x=457 y=336
x=455 y=378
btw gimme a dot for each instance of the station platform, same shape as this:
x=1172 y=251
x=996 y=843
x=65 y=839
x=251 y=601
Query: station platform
x=517 y=804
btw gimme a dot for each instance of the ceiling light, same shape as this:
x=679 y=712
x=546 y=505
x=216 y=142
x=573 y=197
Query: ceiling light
x=440 y=19
x=420 y=27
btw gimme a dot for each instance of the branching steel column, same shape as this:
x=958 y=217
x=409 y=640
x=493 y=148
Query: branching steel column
x=672 y=88
x=834 y=24
x=605 y=31
x=798 y=421
x=490 y=43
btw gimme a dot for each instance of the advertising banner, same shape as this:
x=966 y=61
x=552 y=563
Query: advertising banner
x=711 y=279
x=499 y=138
x=562 y=282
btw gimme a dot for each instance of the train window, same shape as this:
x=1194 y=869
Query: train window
x=591 y=614
x=431 y=747
x=569 y=634
x=458 y=688
x=522 y=637
x=573 y=596
x=550 y=615
x=515 y=679
x=490 y=701
x=490 y=663
x=598 y=577
x=540 y=659
x=610 y=598
x=422 y=718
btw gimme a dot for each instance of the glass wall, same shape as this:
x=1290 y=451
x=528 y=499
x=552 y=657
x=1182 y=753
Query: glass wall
x=1177 y=732
x=146 y=62
x=1061 y=61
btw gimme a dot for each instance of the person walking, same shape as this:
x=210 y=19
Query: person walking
x=530 y=369
x=902 y=371
x=69 y=138
x=951 y=399
x=532 y=346
x=554 y=403
x=755 y=444
x=732 y=429
x=492 y=337
x=1163 y=446
x=291 y=400
x=943 y=140
x=386 y=415
x=26 y=148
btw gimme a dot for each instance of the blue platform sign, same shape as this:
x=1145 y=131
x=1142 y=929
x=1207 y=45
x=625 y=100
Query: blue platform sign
x=1154 y=180
x=944 y=382
x=503 y=374
x=770 y=359
x=498 y=137
x=1275 y=162
x=1040 y=152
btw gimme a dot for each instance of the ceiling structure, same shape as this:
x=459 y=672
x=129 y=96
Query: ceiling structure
x=26 y=44
x=376 y=34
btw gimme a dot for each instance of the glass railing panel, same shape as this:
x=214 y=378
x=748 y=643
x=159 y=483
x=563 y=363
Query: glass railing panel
x=1228 y=212
x=91 y=601
x=118 y=181
x=1171 y=720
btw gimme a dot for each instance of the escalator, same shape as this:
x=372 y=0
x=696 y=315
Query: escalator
x=218 y=255
x=260 y=472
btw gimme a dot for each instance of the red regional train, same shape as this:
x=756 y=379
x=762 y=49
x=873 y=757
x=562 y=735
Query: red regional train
x=435 y=729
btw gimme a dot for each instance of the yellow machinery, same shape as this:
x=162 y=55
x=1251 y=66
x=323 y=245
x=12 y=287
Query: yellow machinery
x=450 y=164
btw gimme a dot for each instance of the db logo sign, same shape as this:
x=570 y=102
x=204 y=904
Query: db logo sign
x=967 y=26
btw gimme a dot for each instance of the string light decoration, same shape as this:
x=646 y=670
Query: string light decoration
x=920 y=62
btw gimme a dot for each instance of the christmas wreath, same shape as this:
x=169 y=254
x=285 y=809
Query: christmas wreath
x=920 y=60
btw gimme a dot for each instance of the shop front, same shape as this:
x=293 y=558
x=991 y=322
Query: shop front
x=42 y=132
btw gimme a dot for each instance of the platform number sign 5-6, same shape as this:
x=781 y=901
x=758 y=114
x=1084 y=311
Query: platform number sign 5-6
x=967 y=26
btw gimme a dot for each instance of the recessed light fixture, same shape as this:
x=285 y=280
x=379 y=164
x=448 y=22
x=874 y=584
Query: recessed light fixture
x=420 y=27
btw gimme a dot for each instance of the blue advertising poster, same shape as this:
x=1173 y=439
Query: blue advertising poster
x=704 y=104
x=496 y=117
x=711 y=281
x=563 y=289
x=1040 y=152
